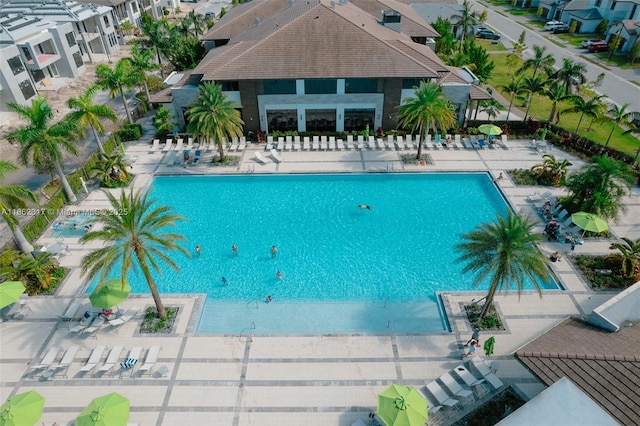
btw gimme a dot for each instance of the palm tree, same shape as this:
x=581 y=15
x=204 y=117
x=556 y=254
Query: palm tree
x=571 y=73
x=111 y=170
x=37 y=273
x=634 y=128
x=141 y=63
x=556 y=93
x=491 y=107
x=551 y=171
x=115 y=80
x=539 y=61
x=465 y=21
x=619 y=114
x=13 y=197
x=427 y=109
x=157 y=33
x=136 y=238
x=503 y=251
x=599 y=187
x=514 y=88
x=197 y=22
x=630 y=254
x=88 y=114
x=589 y=108
x=531 y=85
x=215 y=116
x=43 y=142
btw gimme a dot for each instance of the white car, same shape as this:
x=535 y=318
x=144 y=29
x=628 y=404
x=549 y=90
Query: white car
x=552 y=25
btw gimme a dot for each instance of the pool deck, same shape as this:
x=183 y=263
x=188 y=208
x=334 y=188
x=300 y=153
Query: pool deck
x=289 y=380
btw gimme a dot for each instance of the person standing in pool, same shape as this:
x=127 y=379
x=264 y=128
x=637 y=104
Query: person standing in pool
x=198 y=250
x=225 y=282
x=274 y=252
x=234 y=249
x=279 y=275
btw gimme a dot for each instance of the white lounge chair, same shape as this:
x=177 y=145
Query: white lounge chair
x=129 y=363
x=315 y=145
x=155 y=146
x=84 y=322
x=296 y=143
x=380 y=143
x=436 y=142
x=48 y=359
x=306 y=144
x=258 y=157
x=323 y=143
x=179 y=144
x=65 y=362
x=400 y=143
x=503 y=141
x=243 y=144
x=483 y=369
x=171 y=158
x=270 y=141
x=456 y=141
x=150 y=361
x=454 y=387
x=535 y=197
x=408 y=141
x=288 y=143
x=427 y=141
x=212 y=144
x=433 y=408
x=441 y=396
x=280 y=143
x=276 y=156
x=70 y=312
x=189 y=143
x=390 y=142
x=111 y=362
x=125 y=317
x=469 y=379
x=372 y=142
x=332 y=143
x=168 y=145
x=92 y=330
x=349 y=142
x=94 y=359
x=234 y=145
x=360 y=143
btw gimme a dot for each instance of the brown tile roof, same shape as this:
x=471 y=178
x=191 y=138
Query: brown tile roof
x=632 y=27
x=411 y=23
x=242 y=17
x=604 y=365
x=314 y=40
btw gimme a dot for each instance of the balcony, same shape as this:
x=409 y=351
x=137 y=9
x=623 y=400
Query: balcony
x=43 y=60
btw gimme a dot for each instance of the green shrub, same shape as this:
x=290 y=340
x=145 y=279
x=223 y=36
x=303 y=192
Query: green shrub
x=130 y=132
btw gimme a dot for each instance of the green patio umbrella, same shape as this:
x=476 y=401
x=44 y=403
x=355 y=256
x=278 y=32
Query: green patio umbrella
x=589 y=222
x=23 y=409
x=109 y=293
x=402 y=406
x=489 y=129
x=10 y=292
x=488 y=346
x=107 y=410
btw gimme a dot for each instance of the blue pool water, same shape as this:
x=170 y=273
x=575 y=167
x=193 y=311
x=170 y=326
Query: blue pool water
x=345 y=269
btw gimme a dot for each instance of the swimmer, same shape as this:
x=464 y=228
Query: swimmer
x=75 y=226
x=279 y=275
x=365 y=206
x=269 y=299
x=198 y=250
x=274 y=252
x=87 y=228
x=234 y=249
x=225 y=282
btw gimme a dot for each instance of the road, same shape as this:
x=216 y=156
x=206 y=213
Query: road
x=616 y=83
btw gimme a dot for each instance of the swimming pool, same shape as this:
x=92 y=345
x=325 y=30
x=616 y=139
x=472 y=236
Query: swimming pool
x=345 y=269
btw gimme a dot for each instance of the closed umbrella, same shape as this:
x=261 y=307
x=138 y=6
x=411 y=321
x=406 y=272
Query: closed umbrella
x=589 y=222
x=109 y=293
x=24 y=409
x=107 y=410
x=488 y=346
x=10 y=292
x=489 y=129
x=402 y=406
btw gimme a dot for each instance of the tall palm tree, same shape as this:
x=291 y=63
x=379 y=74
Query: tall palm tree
x=590 y=108
x=157 y=39
x=539 y=61
x=571 y=73
x=556 y=93
x=88 y=114
x=42 y=142
x=427 y=109
x=514 y=88
x=503 y=251
x=116 y=80
x=618 y=114
x=551 y=170
x=531 y=86
x=13 y=197
x=630 y=254
x=112 y=170
x=135 y=239
x=634 y=128
x=465 y=21
x=197 y=22
x=214 y=116
x=141 y=63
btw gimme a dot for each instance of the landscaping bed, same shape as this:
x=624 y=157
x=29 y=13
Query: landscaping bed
x=152 y=324
x=603 y=272
x=494 y=410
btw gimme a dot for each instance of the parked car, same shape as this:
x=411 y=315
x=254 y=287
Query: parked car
x=549 y=26
x=598 y=46
x=586 y=43
x=564 y=28
x=488 y=34
x=480 y=28
x=209 y=15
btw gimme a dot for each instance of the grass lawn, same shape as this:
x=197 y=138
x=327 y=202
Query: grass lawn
x=536 y=23
x=541 y=108
x=489 y=46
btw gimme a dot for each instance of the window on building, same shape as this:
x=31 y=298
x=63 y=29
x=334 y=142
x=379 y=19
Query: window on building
x=613 y=5
x=360 y=85
x=230 y=86
x=16 y=65
x=27 y=54
x=279 y=87
x=358 y=119
x=106 y=21
x=410 y=83
x=134 y=6
x=282 y=120
x=633 y=11
x=71 y=39
x=321 y=87
x=598 y=3
x=37 y=75
x=77 y=57
x=321 y=120
x=27 y=89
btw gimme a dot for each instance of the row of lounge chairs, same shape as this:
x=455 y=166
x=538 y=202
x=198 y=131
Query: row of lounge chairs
x=550 y=209
x=236 y=144
x=114 y=364
x=186 y=159
x=92 y=321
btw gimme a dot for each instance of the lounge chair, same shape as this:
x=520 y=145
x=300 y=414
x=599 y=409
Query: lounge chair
x=270 y=141
x=349 y=143
x=399 y=143
x=129 y=363
x=332 y=143
x=155 y=146
x=541 y=146
x=94 y=359
x=380 y=143
x=350 y=139
x=234 y=145
x=189 y=143
x=259 y=158
x=196 y=156
x=436 y=142
x=186 y=156
x=243 y=144
x=466 y=143
x=70 y=312
x=276 y=156
x=171 y=158
x=417 y=141
x=323 y=143
x=92 y=330
x=433 y=408
x=539 y=197
x=408 y=141
x=427 y=140
x=168 y=145
x=474 y=142
x=456 y=141
x=441 y=396
x=179 y=145
x=125 y=317
x=111 y=362
x=280 y=143
x=454 y=387
x=212 y=144
x=150 y=361
x=360 y=142
x=84 y=322
x=372 y=142
x=503 y=141
x=469 y=379
x=306 y=144
x=288 y=143
x=65 y=362
x=483 y=369
x=296 y=143
x=48 y=359
x=315 y=143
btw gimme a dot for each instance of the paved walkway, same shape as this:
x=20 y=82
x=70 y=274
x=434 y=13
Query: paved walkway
x=290 y=380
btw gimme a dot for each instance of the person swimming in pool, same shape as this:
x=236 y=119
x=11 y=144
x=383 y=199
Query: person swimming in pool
x=365 y=206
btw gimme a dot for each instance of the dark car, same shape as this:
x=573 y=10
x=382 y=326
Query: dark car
x=488 y=34
x=598 y=46
x=564 y=28
x=586 y=43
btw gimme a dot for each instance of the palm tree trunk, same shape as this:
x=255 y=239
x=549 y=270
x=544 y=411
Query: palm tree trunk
x=126 y=108
x=97 y=138
x=162 y=313
x=509 y=110
x=526 y=114
x=21 y=241
x=590 y=124
x=146 y=91
x=64 y=182
x=575 y=134
x=487 y=303
x=221 y=150
x=552 y=115
x=159 y=63
x=610 y=134
x=421 y=133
